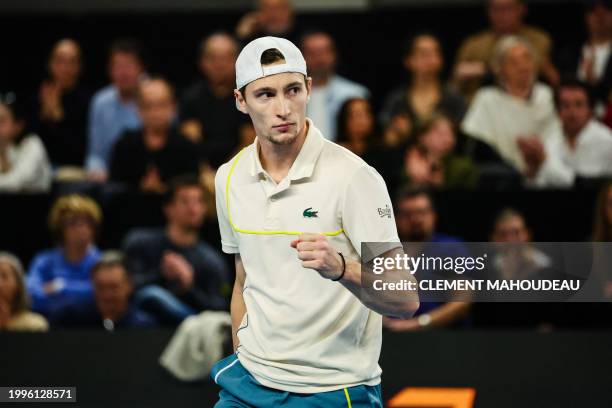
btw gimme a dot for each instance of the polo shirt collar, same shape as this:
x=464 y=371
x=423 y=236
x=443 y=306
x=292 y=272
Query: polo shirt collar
x=304 y=163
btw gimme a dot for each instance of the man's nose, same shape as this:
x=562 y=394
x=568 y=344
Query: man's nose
x=282 y=106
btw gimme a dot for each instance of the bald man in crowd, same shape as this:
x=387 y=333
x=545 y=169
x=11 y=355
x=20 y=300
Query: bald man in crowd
x=146 y=159
x=207 y=113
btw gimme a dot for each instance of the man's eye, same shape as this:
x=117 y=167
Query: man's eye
x=294 y=91
x=265 y=95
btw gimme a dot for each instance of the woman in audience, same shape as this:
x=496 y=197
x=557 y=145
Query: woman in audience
x=431 y=160
x=60 y=106
x=59 y=278
x=356 y=130
x=424 y=94
x=24 y=166
x=509 y=115
x=14 y=313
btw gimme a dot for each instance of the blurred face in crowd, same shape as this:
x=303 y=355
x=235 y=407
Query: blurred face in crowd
x=112 y=289
x=9 y=127
x=187 y=209
x=276 y=16
x=425 y=58
x=277 y=106
x=506 y=16
x=439 y=140
x=320 y=55
x=416 y=219
x=8 y=283
x=125 y=71
x=599 y=22
x=574 y=110
x=511 y=229
x=518 y=67
x=156 y=105
x=65 y=63
x=360 y=121
x=218 y=58
x=77 y=230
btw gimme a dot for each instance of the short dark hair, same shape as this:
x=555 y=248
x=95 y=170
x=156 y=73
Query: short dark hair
x=574 y=83
x=127 y=46
x=180 y=182
x=110 y=259
x=269 y=56
x=412 y=192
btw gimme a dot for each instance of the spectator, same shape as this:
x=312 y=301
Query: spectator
x=603 y=215
x=517 y=110
x=516 y=261
x=432 y=162
x=505 y=18
x=424 y=93
x=59 y=278
x=175 y=273
x=356 y=130
x=590 y=60
x=582 y=147
x=272 y=17
x=207 y=112
x=113 y=108
x=329 y=90
x=416 y=220
x=24 y=166
x=147 y=158
x=61 y=106
x=110 y=308
x=14 y=303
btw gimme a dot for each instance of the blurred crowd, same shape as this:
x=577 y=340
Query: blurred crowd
x=511 y=116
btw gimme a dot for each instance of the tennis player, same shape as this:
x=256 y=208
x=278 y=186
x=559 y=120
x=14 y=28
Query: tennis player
x=294 y=208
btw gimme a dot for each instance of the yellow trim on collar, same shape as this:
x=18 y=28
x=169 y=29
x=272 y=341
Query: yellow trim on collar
x=348 y=398
x=253 y=232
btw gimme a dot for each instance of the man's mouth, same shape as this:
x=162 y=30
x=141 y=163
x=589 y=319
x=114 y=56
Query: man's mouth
x=283 y=127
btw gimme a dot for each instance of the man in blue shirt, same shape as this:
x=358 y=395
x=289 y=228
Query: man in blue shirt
x=59 y=278
x=113 y=108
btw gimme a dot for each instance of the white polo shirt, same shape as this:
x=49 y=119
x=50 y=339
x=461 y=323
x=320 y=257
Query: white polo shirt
x=304 y=333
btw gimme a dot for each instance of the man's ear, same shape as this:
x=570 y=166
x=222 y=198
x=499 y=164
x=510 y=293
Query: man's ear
x=240 y=102
x=308 y=87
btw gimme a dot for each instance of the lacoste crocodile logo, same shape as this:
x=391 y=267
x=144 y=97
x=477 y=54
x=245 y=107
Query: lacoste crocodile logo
x=308 y=213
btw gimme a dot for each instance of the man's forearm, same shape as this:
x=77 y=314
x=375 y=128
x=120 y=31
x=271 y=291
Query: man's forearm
x=237 y=310
x=388 y=303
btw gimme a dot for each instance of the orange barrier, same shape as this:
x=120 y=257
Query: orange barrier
x=414 y=397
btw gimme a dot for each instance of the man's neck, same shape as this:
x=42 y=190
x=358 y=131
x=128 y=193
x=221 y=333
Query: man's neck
x=277 y=159
x=155 y=139
x=598 y=39
x=181 y=237
x=321 y=80
x=521 y=92
x=126 y=95
x=221 y=90
x=572 y=137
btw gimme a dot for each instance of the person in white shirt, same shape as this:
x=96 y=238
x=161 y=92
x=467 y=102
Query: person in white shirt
x=306 y=332
x=329 y=90
x=24 y=164
x=518 y=109
x=581 y=148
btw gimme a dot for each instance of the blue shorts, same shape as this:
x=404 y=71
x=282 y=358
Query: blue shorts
x=239 y=389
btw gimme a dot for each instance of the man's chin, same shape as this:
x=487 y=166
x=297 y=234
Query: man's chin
x=283 y=138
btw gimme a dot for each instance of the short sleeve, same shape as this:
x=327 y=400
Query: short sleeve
x=229 y=243
x=478 y=120
x=367 y=213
